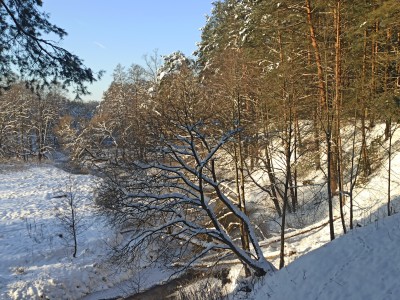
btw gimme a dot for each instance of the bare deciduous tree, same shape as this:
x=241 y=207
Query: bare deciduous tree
x=68 y=212
x=177 y=199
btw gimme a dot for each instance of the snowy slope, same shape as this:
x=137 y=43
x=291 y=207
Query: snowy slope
x=363 y=264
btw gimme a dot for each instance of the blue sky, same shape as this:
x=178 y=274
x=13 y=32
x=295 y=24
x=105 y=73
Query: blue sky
x=104 y=33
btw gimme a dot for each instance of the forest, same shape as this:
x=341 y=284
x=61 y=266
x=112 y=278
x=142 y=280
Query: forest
x=286 y=109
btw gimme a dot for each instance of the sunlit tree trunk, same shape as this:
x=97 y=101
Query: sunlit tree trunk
x=325 y=108
x=338 y=107
x=365 y=157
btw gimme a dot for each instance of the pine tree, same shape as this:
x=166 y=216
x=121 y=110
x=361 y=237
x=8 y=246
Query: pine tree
x=26 y=47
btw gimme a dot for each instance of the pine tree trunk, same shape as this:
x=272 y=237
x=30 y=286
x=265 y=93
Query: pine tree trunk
x=288 y=152
x=353 y=177
x=325 y=107
x=338 y=108
x=316 y=131
x=365 y=157
x=389 y=209
x=239 y=168
x=385 y=85
x=269 y=166
x=272 y=181
x=330 y=200
x=317 y=54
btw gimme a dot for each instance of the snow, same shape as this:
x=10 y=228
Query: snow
x=362 y=264
x=36 y=258
x=36 y=255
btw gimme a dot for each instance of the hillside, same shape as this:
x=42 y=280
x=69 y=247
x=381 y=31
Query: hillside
x=360 y=265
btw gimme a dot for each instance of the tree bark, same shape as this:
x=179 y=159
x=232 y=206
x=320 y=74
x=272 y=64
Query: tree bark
x=389 y=209
x=325 y=107
x=338 y=107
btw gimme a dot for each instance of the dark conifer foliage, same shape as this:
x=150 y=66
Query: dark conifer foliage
x=27 y=47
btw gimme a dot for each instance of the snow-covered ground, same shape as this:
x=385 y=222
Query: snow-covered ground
x=363 y=264
x=35 y=251
x=36 y=256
